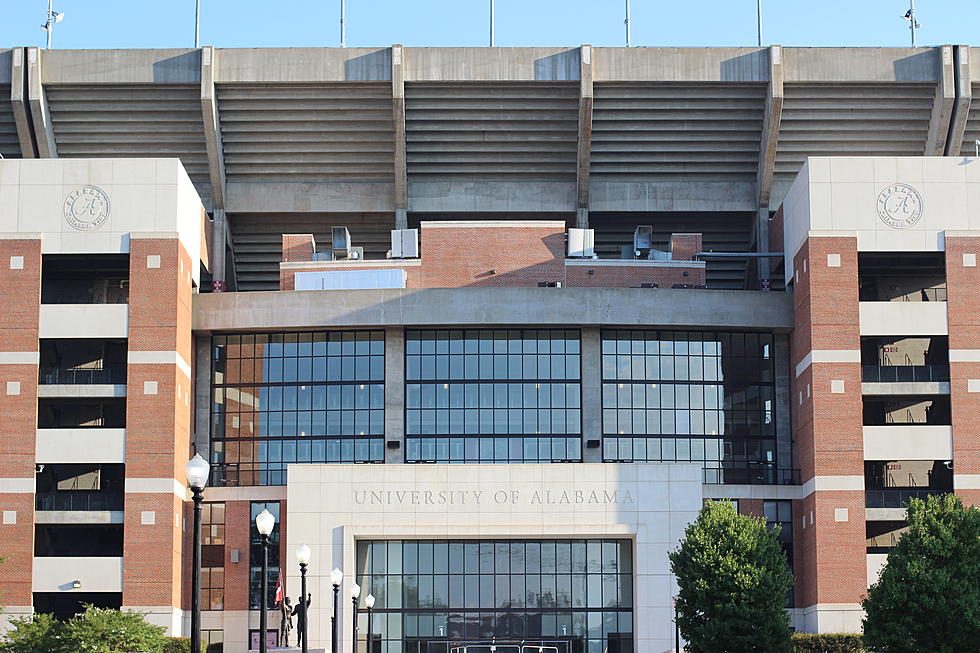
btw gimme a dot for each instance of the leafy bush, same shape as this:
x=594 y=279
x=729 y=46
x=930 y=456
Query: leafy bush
x=733 y=577
x=833 y=643
x=40 y=634
x=928 y=595
x=180 y=645
x=96 y=630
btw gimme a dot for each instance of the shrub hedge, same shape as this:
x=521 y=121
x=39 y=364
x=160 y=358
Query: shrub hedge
x=830 y=643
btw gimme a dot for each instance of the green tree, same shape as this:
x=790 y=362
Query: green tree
x=38 y=634
x=733 y=578
x=101 y=630
x=928 y=595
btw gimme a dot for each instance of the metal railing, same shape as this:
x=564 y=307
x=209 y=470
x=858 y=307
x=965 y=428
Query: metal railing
x=873 y=294
x=904 y=373
x=895 y=497
x=81 y=375
x=80 y=500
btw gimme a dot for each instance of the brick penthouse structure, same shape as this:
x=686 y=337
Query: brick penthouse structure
x=488 y=339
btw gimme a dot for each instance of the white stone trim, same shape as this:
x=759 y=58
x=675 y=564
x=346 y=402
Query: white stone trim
x=832 y=483
x=154 y=235
x=827 y=233
x=20 y=357
x=884 y=514
x=973 y=385
x=627 y=263
x=828 y=356
x=327 y=266
x=156 y=486
x=17 y=485
x=16 y=262
x=13 y=388
x=159 y=358
x=969 y=260
x=9 y=517
x=966 y=481
x=964 y=355
x=715 y=491
x=514 y=224
x=7 y=235
x=833 y=261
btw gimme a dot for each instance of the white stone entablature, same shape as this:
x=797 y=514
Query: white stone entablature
x=330 y=507
x=888 y=203
x=92 y=206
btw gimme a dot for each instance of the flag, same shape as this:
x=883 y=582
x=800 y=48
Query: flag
x=279 y=591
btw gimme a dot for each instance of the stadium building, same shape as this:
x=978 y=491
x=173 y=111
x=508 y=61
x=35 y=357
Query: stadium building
x=483 y=327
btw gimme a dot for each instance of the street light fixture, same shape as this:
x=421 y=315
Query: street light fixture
x=264 y=523
x=52 y=17
x=303 y=554
x=369 y=602
x=336 y=578
x=355 y=593
x=198 y=471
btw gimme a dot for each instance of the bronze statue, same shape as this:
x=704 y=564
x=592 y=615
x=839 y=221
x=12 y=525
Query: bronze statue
x=300 y=611
x=286 y=620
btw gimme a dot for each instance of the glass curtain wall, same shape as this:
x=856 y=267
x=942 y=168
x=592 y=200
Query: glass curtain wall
x=430 y=594
x=280 y=398
x=493 y=395
x=697 y=396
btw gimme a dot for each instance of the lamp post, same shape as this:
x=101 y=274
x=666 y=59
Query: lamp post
x=355 y=593
x=198 y=470
x=303 y=556
x=264 y=522
x=369 y=602
x=336 y=578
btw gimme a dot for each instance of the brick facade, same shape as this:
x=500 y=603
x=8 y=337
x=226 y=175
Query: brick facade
x=828 y=424
x=457 y=254
x=20 y=291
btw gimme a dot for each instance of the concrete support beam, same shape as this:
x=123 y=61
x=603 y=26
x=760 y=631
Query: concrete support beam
x=964 y=98
x=38 y=101
x=212 y=129
x=762 y=242
x=219 y=240
x=770 y=125
x=584 y=158
x=395 y=394
x=591 y=393
x=398 y=122
x=18 y=102
x=942 y=104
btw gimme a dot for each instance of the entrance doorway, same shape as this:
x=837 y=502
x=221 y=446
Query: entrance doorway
x=511 y=647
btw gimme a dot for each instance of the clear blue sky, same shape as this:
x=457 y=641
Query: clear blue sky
x=266 y=23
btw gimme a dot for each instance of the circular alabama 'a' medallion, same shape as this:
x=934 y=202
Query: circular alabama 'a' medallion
x=899 y=206
x=87 y=208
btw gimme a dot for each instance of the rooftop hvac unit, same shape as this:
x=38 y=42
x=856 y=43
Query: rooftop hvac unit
x=643 y=238
x=340 y=238
x=404 y=243
x=581 y=243
x=657 y=255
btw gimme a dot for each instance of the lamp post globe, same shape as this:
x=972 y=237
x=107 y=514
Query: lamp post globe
x=336 y=578
x=303 y=554
x=355 y=593
x=265 y=521
x=369 y=603
x=198 y=471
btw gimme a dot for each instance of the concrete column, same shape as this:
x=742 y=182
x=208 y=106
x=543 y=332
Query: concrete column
x=770 y=126
x=591 y=393
x=762 y=242
x=395 y=394
x=398 y=124
x=212 y=128
x=584 y=157
x=964 y=98
x=18 y=101
x=202 y=395
x=942 y=104
x=38 y=101
x=218 y=245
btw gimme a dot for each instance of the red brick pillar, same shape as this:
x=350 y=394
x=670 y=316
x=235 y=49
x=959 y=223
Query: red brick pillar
x=157 y=427
x=20 y=292
x=963 y=306
x=828 y=431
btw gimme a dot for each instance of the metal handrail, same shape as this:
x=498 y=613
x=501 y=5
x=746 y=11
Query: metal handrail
x=76 y=500
x=750 y=474
x=81 y=375
x=904 y=373
x=897 y=497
